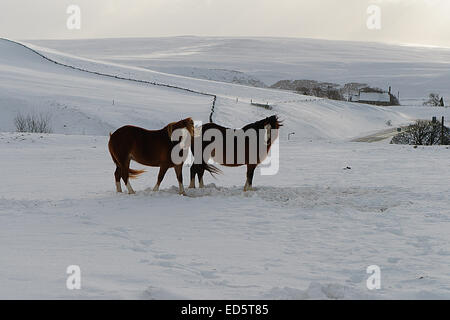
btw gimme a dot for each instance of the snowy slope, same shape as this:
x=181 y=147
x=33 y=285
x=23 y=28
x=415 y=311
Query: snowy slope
x=82 y=103
x=414 y=71
x=310 y=231
x=308 y=117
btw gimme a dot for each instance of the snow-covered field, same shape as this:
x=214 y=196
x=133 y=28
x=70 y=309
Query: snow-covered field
x=310 y=231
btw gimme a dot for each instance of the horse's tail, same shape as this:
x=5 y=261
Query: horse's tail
x=211 y=169
x=133 y=174
x=204 y=166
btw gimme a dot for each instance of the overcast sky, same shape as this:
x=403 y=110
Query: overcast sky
x=402 y=21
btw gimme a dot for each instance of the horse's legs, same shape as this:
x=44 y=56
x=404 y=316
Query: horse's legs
x=117 y=175
x=126 y=176
x=161 y=174
x=197 y=169
x=250 y=171
x=130 y=189
x=200 y=173
x=193 y=173
x=179 y=173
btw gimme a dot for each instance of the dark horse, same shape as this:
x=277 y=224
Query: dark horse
x=148 y=147
x=249 y=150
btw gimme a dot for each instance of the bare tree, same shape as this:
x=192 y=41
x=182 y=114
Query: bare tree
x=418 y=131
x=39 y=123
x=423 y=132
x=433 y=100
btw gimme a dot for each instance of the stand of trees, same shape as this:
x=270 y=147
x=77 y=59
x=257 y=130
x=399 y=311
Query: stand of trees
x=434 y=100
x=328 y=90
x=424 y=133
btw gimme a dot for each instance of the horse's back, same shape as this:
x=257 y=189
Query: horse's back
x=128 y=130
x=212 y=125
x=148 y=147
x=124 y=137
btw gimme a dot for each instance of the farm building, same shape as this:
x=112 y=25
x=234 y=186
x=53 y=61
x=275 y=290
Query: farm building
x=376 y=97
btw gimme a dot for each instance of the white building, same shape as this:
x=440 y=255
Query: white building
x=377 y=98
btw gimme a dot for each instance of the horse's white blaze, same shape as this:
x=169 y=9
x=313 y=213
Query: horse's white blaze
x=197 y=132
x=130 y=189
x=118 y=186
x=267 y=137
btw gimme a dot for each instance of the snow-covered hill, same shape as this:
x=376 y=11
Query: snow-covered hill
x=82 y=103
x=223 y=75
x=414 y=71
x=310 y=231
x=107 y=103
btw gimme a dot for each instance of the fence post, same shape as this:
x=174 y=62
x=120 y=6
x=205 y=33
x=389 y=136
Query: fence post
x=442 y=131
x=433 y=121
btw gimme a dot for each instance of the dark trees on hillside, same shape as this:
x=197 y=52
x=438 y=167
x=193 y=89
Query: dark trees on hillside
x=434 y=100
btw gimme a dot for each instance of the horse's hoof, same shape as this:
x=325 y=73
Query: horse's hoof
x=191 y=187
x=182 y=193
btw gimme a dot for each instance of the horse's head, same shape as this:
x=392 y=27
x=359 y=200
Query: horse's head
x=269 y=124
x=187 y=124
x=274 y=122
x=187 y=130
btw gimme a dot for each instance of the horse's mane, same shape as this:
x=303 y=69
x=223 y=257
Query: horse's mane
x=188 y=123
x=177 y=122
x=274 y=121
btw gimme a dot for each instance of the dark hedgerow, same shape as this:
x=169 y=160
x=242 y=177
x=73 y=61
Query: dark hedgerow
x=423 y=132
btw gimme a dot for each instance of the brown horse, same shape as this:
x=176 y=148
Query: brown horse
x=148 y=147
x=249 y=154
